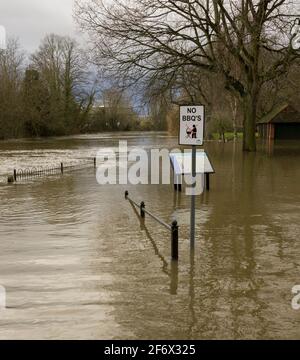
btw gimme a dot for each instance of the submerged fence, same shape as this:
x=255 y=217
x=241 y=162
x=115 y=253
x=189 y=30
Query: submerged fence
x=28 y=173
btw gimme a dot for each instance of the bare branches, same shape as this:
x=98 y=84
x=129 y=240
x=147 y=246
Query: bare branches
x=153 y=35
x=144 y=39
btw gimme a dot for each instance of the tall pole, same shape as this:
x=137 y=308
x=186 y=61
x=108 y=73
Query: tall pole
x=193 y=199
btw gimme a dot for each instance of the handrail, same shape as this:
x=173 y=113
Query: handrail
x=173 y=227
x=169 y=227
x=143 y=210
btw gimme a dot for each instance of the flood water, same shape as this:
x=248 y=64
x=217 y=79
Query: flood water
x=77 y=263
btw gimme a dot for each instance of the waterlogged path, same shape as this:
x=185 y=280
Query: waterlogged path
x=76 y=263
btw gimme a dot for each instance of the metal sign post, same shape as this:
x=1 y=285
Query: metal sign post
x=193 y=198
x=192 y=133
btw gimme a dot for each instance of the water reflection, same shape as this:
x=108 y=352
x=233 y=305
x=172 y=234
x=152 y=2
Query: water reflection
x=193 y=319
x=77 y=262
x=173 y=273
x=174 y=277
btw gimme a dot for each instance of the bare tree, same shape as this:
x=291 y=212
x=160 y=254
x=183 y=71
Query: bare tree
x=11 y=66
x=52 y=96
x=118 y=112
x=63 y=73
x=152 y=38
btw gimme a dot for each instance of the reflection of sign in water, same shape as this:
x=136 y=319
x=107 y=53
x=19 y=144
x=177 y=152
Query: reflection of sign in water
x=2 y=38
x=191 y=125
x=295 y=32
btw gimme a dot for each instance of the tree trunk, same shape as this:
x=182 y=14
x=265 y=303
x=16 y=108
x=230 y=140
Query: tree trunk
x=223 y=136
x=234 y=116
x=249 y=139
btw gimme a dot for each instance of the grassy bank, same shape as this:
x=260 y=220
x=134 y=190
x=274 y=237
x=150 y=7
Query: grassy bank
x=227 y=135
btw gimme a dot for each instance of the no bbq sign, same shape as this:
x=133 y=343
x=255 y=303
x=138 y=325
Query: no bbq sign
x=191 y=128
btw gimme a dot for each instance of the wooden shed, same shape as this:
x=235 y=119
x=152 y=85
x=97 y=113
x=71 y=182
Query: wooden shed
x=283 y=123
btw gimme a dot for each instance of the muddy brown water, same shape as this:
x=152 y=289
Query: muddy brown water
x=76 y=262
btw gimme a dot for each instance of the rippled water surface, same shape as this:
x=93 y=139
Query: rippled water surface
x=76 y=262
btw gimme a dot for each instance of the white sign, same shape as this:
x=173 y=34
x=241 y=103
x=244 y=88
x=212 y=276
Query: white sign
x=181 y=163
x=2 y=38
x=191 y=128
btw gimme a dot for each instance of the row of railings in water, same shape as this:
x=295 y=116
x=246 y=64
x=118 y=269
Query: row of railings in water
x=33 y=172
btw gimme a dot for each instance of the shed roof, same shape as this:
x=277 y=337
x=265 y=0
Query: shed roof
x=282 y=113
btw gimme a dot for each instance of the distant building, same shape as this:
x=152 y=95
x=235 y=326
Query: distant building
x=283 y=123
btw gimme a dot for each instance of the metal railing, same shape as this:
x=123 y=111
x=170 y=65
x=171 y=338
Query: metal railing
x=49 y=170
x=173 y=227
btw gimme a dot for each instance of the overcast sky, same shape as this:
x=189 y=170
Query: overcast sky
x=31 y=20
